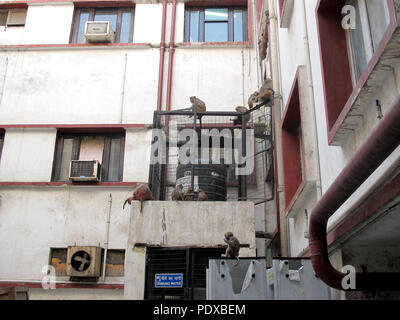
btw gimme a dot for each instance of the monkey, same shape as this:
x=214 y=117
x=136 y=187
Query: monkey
x=233 y=247
x=188 y=194
x=238 y=120
x=177 y=193
x=253 y=99
x=202 y=196
x=142 y=193
x=266 y=92
x=129 y=200
x=198 y=104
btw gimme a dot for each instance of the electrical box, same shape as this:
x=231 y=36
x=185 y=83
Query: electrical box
x=295 y=279
x=228 y=279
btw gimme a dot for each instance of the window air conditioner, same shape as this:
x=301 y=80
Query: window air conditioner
x=99 y=31
x=84 y=170
x=83 y=261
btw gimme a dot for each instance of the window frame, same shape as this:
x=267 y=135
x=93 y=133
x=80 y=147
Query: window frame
x=77 y=137
x=366 y=30
x=1 y=143
x=92 y=12
x=339 y=92
x=202 y=23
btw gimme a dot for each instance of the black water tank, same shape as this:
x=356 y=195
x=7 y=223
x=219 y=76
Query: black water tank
x=211 y=178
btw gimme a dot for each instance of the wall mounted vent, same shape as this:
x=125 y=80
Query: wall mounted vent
x=83 y=261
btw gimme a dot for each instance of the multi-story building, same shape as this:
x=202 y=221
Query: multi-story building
x=66 y=96
x=335 y=68
x=326 y=186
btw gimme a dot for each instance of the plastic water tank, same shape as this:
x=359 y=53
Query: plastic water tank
x=211 y=178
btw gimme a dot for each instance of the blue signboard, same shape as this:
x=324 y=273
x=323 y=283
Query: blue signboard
x=168 y=280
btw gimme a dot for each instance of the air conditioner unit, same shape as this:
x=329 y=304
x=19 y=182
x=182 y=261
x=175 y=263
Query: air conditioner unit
x=83 y=261
x=99 y=31
x=81 y=170
x=16 y=17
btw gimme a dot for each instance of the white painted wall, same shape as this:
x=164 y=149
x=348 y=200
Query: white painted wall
x=27 y=155
x=34 y=219
x=137 y=155
x=48 y=23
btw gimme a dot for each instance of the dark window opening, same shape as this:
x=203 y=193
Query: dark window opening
x=191 y=262
x=216 y=24
x=107 y=149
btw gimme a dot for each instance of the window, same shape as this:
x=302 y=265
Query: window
x=107 y=149
x=216 y=24
x=372 y=20
x=292 y=146
x=121 y=20
x=12 y=17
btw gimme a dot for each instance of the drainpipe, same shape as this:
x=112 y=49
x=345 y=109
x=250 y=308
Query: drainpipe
x=171 y=55
x=274 y=48
x=162 y=54
x=383 y=140
x=311 y=94
x=107 y=240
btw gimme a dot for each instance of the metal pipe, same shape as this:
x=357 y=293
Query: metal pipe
x=383 y=140
x=171 y=55
x=123 y=89
x=107 y=239
x=162 y=54
x=311 y=94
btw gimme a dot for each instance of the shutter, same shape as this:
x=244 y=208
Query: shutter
x=16 y=17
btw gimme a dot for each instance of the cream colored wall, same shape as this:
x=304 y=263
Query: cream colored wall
x=172 y=224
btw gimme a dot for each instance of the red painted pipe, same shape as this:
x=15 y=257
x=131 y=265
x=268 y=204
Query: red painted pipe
x=171 y=55
x=381 y=143
x=162 y=54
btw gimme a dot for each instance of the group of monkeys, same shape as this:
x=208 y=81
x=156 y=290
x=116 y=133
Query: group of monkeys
x=143 y=193
x=263 y=94
x=179 y=195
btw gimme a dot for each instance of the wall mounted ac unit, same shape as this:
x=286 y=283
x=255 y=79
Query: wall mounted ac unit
x=99 y=31
x=83 y=261
x=81 y=170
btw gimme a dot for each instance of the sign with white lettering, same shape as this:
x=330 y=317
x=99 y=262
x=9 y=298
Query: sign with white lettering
x=168 y=280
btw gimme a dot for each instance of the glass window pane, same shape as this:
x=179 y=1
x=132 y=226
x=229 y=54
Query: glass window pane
x=238 y=25
x=378 y=20
x=66 y=159
x=125 y=27
x=115 y=152
x=194 y=26
x=357 y=44
x=84 y=16
x=216 y=14
x=107 y=15
x=216 y=32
